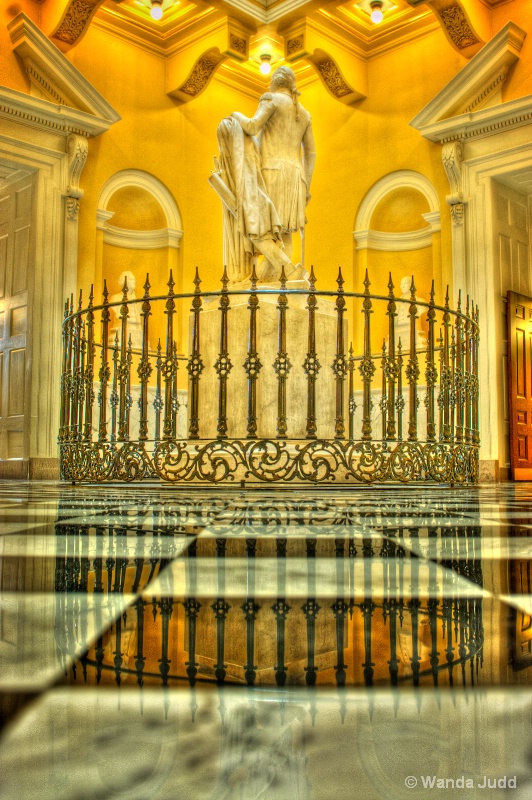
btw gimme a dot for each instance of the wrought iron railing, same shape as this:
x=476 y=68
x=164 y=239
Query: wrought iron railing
x=408 y=411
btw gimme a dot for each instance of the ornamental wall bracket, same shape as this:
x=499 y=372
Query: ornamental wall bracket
x=200 y=76
x=462 y=32
x=74 y=23
x=78 y=148
x=306 y=40
x=452 y=157
x=190 y=69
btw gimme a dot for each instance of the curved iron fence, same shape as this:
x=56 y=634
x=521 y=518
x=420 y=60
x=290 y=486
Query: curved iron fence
x=267 y=389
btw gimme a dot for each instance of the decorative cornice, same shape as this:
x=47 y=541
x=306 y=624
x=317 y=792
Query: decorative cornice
x=38 y=113
x=477 y=124
x=477 y=82
x=140 y=240
x=52 y=71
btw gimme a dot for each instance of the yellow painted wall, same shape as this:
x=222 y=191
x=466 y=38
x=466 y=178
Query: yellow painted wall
x=356 y=146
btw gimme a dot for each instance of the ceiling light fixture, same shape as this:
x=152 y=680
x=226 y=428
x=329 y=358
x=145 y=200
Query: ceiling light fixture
x=376 y=11
x=265 y=66
x=156 y=11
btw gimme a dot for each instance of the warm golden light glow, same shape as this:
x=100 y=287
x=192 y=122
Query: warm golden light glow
x=156 y=11
x=265 y=66
x=376 y=12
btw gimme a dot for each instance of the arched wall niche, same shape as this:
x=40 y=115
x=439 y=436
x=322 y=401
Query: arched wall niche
x=139 y=230
x=397 y=231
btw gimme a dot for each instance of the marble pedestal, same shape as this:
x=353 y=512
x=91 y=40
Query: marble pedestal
x=267 y=382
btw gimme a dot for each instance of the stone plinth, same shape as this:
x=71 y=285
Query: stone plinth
x=267 y=383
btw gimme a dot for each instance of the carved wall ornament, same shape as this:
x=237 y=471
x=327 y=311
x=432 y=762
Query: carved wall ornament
x=295 y=45
x=201 y=74
x=333 y=78
x=457 y=214
x=458 y=27
x=76 y=20
x=237 y=44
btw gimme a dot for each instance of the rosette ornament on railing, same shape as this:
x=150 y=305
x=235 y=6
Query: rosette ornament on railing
x=265 y=384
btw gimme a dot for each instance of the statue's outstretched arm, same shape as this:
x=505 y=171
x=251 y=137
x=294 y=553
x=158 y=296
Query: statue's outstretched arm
x=253 y=126
x=309 y=154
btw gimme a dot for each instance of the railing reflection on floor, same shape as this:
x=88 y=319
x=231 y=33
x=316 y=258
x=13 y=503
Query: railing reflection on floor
x=323 y=608
x=356 y=416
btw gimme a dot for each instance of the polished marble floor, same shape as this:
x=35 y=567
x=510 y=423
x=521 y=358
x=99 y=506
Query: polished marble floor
x=265 y=644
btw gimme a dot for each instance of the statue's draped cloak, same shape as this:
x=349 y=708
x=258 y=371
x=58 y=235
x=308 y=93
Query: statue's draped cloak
x=253 y=216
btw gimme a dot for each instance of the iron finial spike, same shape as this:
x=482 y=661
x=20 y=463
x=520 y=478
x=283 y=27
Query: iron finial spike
x=391 y=286
x=171 y=283
x=125 y=288
x=312 y=278
x=225 y=280
x=105 y=292
x=283 y=277
x=80 y=304
x=254 y=278
x=467 y=306
x=459 y=303
x=432 y=292
x=412 y=289
x=399 y=347
x=340 y=281
x=91 y=295
x=351 y=351
x=147 y=285
x=197 y=281
x=71 y=302
x=447 y=297
x=367 y=283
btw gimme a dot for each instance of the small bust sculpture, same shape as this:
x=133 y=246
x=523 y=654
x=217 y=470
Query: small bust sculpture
x=134 y=320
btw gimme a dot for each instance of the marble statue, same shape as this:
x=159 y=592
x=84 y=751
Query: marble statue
x=263 y=178
x=402 y=322
x=134 y=320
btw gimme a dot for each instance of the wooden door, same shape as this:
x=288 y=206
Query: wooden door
x=519 y=313
x=16 y=200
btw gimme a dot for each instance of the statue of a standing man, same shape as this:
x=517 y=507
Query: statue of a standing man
x=263 y=178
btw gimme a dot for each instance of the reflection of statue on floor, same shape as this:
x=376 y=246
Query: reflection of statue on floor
x=260 y=760
x=134 y=320
x=402 y=323
x=264 y=182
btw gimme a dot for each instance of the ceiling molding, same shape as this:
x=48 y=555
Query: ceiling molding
x=479 y=82
x=52 y=74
